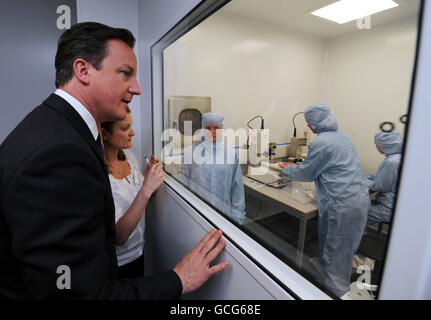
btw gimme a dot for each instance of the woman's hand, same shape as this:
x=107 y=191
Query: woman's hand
x=153 y=179
x=152 y=161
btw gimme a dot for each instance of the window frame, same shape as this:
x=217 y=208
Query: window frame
x=401 y=281
x=289 y=279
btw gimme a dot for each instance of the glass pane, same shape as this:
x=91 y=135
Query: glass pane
x=272 y=116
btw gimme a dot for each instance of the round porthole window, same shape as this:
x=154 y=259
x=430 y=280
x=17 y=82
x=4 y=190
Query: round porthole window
x=192 y=115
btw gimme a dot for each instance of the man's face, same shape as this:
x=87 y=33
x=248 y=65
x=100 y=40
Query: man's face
x=114 y=85
x=213 y=132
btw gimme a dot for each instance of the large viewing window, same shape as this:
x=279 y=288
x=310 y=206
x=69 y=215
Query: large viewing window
x=235 y=87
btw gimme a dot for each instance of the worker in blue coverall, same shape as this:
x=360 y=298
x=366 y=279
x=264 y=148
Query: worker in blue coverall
x=342 y=196
x=384 y=182
x=212 y=170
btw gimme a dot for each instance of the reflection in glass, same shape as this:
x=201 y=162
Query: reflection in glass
x=211 y=170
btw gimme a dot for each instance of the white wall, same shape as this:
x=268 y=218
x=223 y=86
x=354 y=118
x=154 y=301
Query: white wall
x=248 y=68
x=368 y=82
x=119 y=14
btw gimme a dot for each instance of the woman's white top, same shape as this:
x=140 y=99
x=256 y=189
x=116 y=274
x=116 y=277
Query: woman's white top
x=124 y=193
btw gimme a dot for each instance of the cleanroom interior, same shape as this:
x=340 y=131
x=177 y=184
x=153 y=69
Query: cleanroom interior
x=274 y=59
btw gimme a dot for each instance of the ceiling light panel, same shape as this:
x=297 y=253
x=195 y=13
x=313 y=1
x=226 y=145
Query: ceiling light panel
x=348 y=10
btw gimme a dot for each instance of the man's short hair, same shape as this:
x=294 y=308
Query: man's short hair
x=86 y=40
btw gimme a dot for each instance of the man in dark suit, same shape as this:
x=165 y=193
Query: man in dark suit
x=56 y=206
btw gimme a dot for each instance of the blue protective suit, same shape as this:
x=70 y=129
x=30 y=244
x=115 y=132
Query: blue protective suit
x=342 y=196
x=386 y=177
x=212 y=171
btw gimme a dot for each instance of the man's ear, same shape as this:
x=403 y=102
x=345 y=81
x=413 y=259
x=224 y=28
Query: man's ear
x=81 y=70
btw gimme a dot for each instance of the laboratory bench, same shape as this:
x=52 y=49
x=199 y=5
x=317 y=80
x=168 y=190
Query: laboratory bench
x=281 y=200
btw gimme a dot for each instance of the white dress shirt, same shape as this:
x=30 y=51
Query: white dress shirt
x=124 y=192
x=83 y=112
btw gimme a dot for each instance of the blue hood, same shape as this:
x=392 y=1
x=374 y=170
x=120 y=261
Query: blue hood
x=320 y=119
x=212 y=118
x=389 y=142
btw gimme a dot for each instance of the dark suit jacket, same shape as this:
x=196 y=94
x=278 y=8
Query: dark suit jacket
x=56 y=208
